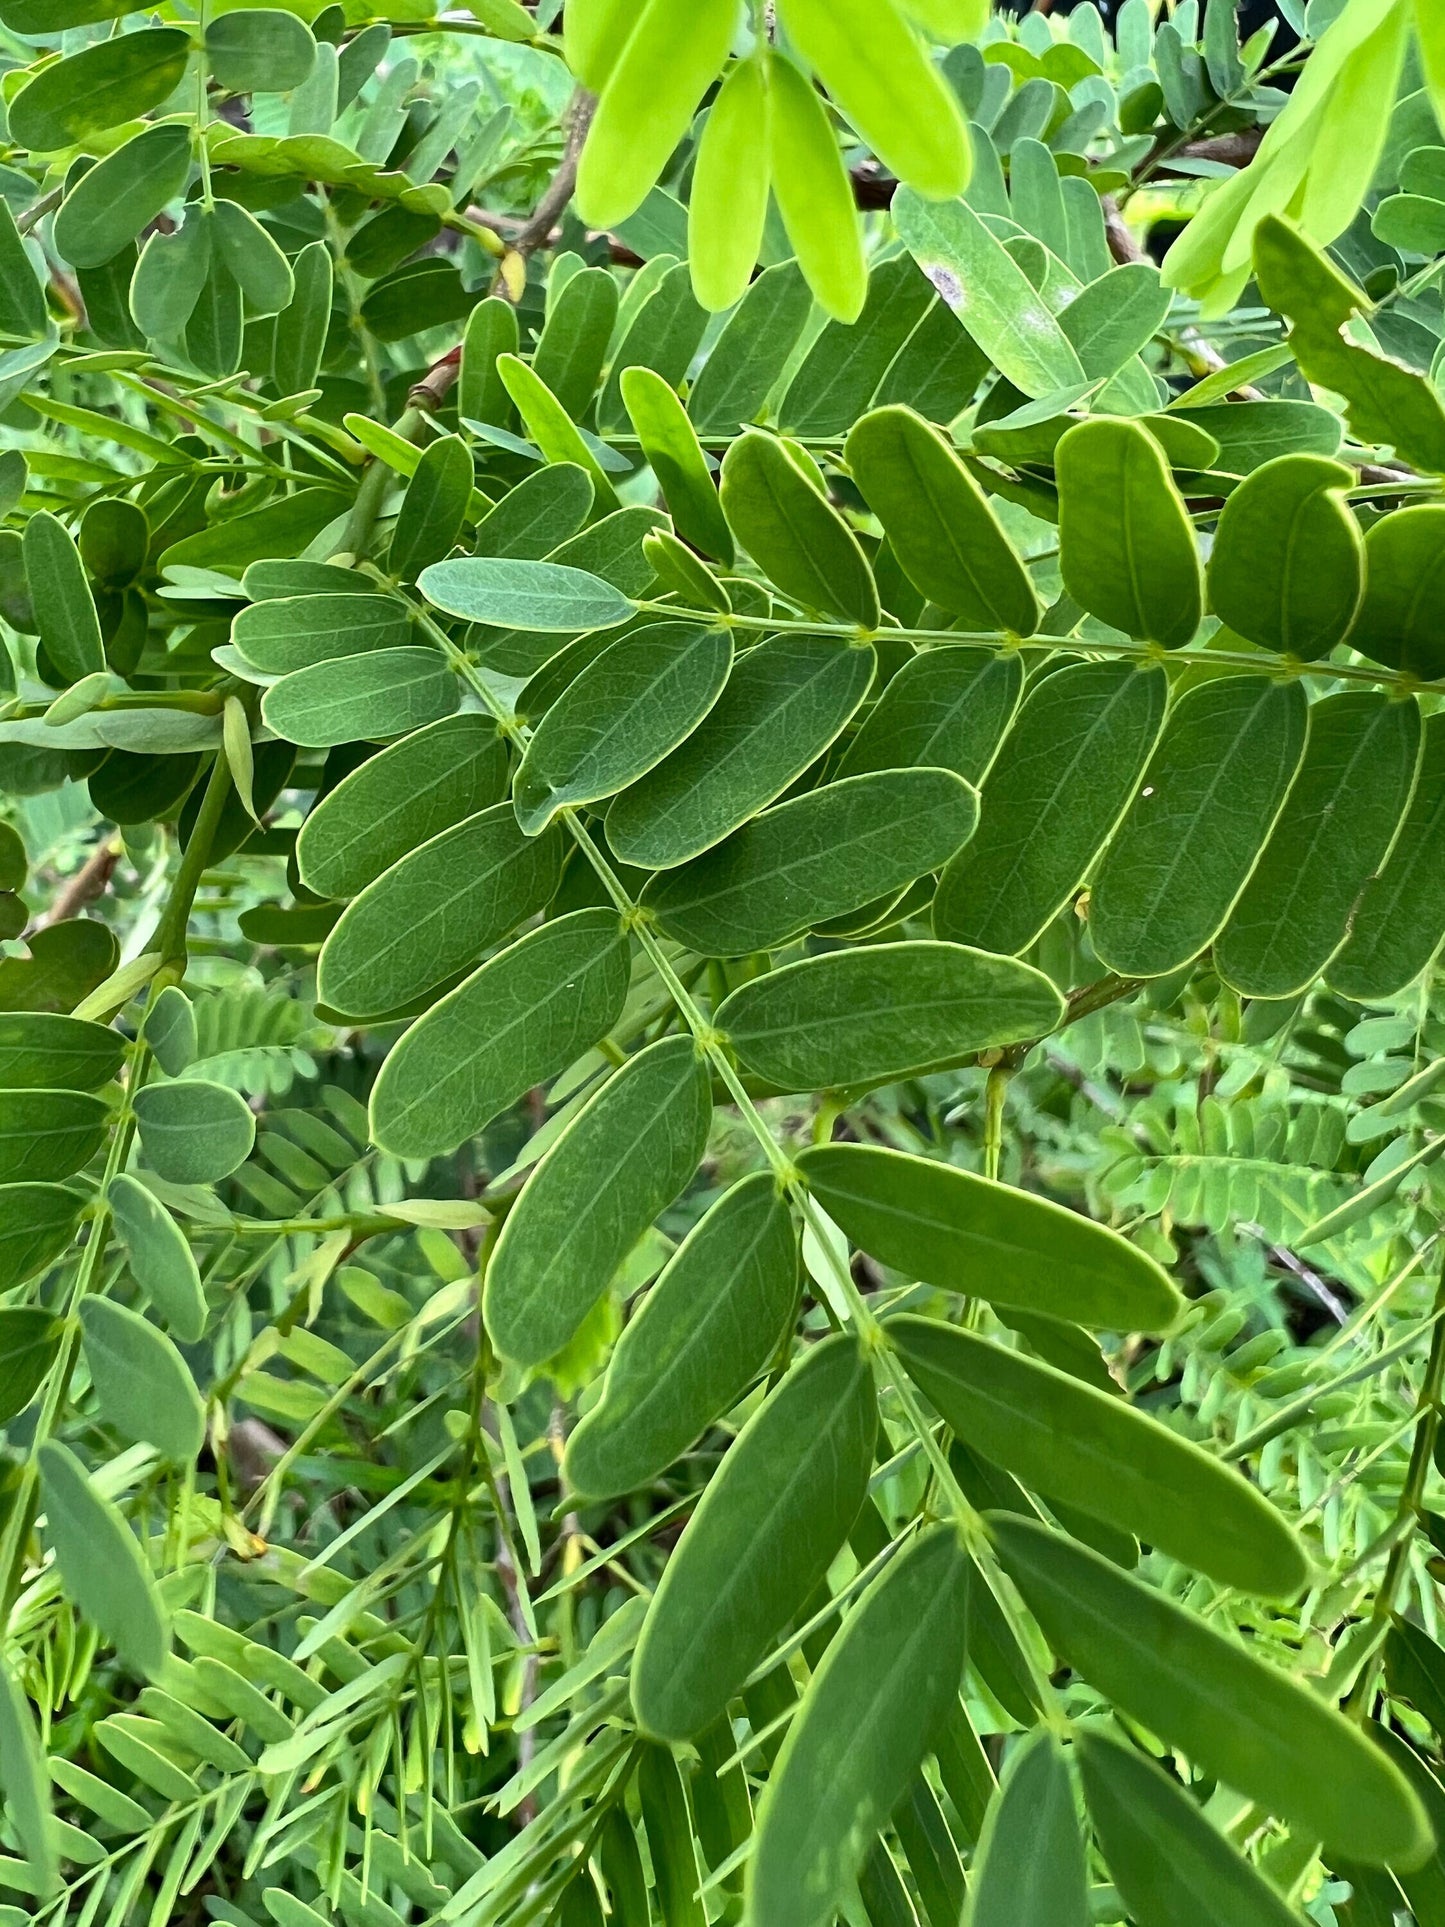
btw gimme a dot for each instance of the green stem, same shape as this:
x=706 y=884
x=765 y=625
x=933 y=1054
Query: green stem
x=169 y=941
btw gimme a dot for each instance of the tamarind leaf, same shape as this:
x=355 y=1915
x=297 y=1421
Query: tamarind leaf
x=729 y=201
x=813 y=191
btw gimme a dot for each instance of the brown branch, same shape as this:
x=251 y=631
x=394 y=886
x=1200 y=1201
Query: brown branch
x=538 y=228
x=88 y=883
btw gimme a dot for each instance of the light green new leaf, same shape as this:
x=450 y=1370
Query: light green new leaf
x=287 y=633
x=25 y=1785
x=60 y=593
x=880 y=1692
x=1267 y=1735
x=622 y=1160
x=29 y=1344
x=793 y=533
x=37 y=1222
x=114 y=200
x=671 y=448
x=1287 y=566
x=521 y=594
x=102 y=1565
x=116 y=80
x=872 y=1015
x=144 y=1387
x=1400 y=914
x=821 y=855
x=709 y=1324
x=967 y=1234
x=551 y=427
x=765 y=1531
x=525 y=1015
x=436 y=912
x=48 y=1134
x=387 y=692
x=1126 y=544
x=1401 y=618
x=813 y=191
x=728 y=205
x=160 y=1258
x=938 y=522
x=1030 y=1869
x=947 y=708
x=1077 y=1444
x=41 y=1051
x=433 y=508
x=642 y=696
x=194 y=1132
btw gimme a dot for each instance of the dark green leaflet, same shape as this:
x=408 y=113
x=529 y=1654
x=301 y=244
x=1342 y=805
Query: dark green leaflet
x=38 y=1050
x=160 y=1259
x=1423 y=1884
x=64 y=606
x=573 y=343
x=749 y=355
x=784 y=703
x=708 y=1325
x=671 y=449
x=793 y=533
x=436 y=911
x=946 y=708
x=612 y=548
x=48 y=1134
x=491 y=331
x=433 y=508
x=1400 y=914
x=763 y=1535
x=938 y=521
x=1335 y=830
x=1287 y=565
x=301 y=325
x=103 y=85
x=387 y=693
x=624 y=1158
x=845 y=364
x=36 y=1224
x=398 y=800
x=104 y=1569
x=867 y=1016
x=819 y=856
x=880 y=1887
x=1126 y=545
x=1030 y=1870
x=524 y=1016
x=1113 y=317
x=669 y=1838
x=538 y=515
x=265 y=581
x=258 y=50
x=1250 y=433
x=293 y=632
x=1264 y=1733
x=1057 y=788
x=937 y=369
x=144 y=1387
x=111 y=203
x=1067 y=1440
x=664 y=335
x=970 y=1235
x=1208 y=801
x=1401 y=619
x=933 y=1856
x=640 y=698
x=884 y=1684
x=194 y=1132
x=1170 y=1865
x=29 y=1341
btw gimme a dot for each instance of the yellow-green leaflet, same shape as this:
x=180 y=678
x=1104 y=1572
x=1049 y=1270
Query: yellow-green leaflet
x=1030 y=1869
x=143 y=1384
x=1077 y=1444
x=594 y=33
x=765 y=1531
x=650 y=92
x=104 y=1568
x=882 y=1688
x=874 y=66
x=729 y=201
x=813 y=192
x=670 y=445
x=949 y=21
x=968 y=1234
x=1269 y=1737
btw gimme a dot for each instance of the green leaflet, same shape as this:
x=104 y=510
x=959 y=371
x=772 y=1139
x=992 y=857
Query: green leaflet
x=793 y=533
x=37 y=1222
x=1250 y=433
x=57 y=1053
x=749 y=355
x=144 y=1387
x=642 y=696
x=544 y=510
x=515 y=1022
x=103 y=1568
x=1030 y=1870
x=1269 y=1737
x=989 y=292
x=846 y=363
x=881 y=1690
x=1287 y=566
x=1401 y=618
x=64 y=606
x=437 y=911
x=708 y=1325
x=1079 y=1445
x=1112 y=318
x=1126 y=545
x=1170 y=1865
x=624 y=1158
x=1399 y=916
x=193 y=1132
x=1337 y=826
x=938 y=522
x=573 y=343
x=389 y=692
x=114 y=200
x=293 y=632
x=871 y=1015
x=764 y=1533
x=26 y=1786
x=259 y=50
x=47 y=1134
x=947 y=708
x=669 y=1838
x=728 y=204
x=1056 y=791
x=29 y=1343
x=784 y=703
x=671 y=448
x=1193 y=833
x=970 y=1235
x=301 y=326
x=433 y=508
x=160 y=1258
x=491 y=332
x=258 y=266
x=813 y=191
x=518 y=594
x=399 y=800
x=117 y=80
x=818 y=856
x=662 y=334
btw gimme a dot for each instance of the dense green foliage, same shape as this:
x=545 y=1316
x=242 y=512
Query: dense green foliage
x=722 y=836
